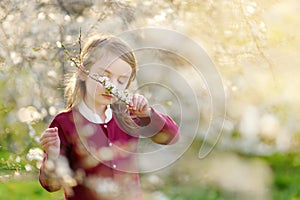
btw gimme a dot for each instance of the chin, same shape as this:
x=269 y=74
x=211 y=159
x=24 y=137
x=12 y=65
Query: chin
x=106 y=101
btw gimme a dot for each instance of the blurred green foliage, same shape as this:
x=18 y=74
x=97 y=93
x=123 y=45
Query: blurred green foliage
x=285 y=186
x=286 y=169
x=26 y=190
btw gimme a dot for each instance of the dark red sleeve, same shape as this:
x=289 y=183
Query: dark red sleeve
x=158 y=123
x=46 y=178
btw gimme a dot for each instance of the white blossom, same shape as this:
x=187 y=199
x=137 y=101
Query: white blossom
x=122 y=95
x=35 y=154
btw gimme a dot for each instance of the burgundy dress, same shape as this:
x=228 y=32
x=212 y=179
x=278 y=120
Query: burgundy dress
x=101 y=157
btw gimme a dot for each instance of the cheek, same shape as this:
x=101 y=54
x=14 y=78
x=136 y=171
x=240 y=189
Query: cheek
x=122 y=87
x=94 y=87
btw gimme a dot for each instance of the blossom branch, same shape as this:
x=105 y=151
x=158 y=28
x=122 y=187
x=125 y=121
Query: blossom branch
x=110 y=88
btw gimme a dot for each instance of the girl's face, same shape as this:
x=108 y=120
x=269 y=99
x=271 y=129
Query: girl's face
x=116 y=69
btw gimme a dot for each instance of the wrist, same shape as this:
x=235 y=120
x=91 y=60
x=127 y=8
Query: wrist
x=52 y=154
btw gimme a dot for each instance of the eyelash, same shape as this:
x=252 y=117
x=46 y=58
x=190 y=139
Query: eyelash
x=121 y=82
x=109 y=76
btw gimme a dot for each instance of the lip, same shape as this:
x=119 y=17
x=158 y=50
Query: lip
x=107 y=96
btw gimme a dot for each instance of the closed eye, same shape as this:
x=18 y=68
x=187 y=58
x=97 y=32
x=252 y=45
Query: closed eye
x=122 y=81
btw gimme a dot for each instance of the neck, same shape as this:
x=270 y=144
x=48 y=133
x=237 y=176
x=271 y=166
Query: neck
x=97 y=108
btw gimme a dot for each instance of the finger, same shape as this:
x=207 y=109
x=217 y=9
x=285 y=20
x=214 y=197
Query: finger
x=131 y=103
x=54 y=129
x=134 y=101
x=48 y=146
x=46 y=134
x=143 y=104
x=44 y=139
x=50 y=133
x=48 y=137
x=51 y=130
x=43 y=142
x=140 y=103
x=143 y=107
x=51 y=143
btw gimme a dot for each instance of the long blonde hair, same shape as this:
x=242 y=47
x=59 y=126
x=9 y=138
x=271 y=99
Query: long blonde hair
x=96 y=47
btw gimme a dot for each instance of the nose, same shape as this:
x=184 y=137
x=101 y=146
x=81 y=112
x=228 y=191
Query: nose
x=113 y=81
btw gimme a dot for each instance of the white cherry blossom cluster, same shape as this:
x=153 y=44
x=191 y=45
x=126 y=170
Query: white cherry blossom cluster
x=110 y=88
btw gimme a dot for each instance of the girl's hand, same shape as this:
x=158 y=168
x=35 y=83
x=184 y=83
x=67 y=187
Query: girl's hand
x=139 y=106
x=50 y=142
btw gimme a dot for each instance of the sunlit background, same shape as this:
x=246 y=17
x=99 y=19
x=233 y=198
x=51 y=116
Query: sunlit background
x=255 y=46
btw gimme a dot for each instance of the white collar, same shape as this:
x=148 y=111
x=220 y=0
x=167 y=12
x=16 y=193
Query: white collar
x=92 y=116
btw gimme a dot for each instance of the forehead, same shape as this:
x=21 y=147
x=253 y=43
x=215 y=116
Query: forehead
x=113 y=64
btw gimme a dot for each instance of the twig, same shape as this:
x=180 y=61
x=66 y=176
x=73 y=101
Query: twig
x=110 y=88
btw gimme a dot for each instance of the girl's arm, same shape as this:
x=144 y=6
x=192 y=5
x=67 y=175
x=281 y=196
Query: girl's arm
x=47 y=176
x=159 y=127
x=52 y=140
x=162 y=128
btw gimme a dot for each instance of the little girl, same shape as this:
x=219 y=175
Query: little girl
x=90 y=149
